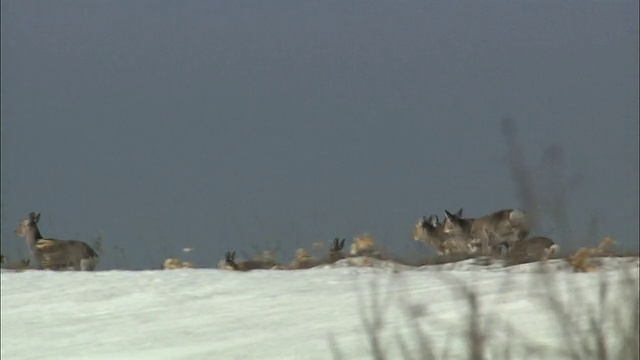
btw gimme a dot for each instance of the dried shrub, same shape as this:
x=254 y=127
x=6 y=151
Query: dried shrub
x=174 y=263
x=302 y=260
x=266 y=256
x=586 y=259
x=318 y=245
x=364 y=245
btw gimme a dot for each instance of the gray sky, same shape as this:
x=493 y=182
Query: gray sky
x=224 y=125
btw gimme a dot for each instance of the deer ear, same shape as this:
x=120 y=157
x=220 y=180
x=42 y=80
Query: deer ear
x=459 y=213
x=233 y=255
x=342 y=244
x=448 y=215
x=37 y=218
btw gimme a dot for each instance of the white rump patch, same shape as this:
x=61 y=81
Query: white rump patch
x=553 y=249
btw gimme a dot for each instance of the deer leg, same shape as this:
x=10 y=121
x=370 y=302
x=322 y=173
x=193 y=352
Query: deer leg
x=76 y=265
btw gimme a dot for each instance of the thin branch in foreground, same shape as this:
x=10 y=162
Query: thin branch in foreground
x=335 y=349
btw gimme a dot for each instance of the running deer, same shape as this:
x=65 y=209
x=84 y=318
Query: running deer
x=56 y=254
x=508 y=227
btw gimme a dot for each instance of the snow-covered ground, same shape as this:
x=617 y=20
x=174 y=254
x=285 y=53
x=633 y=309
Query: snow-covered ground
x=317 y=313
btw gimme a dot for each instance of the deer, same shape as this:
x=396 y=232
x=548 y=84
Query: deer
x=336 y=251
x=508 y=226
x=303 y=260
x=532 y=249
x=18 y=266
x=54 y=254
x=430 y=231
x=229 y=263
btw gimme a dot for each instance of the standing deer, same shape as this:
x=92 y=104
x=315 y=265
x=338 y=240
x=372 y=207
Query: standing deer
x=431 y=232
x=509 y=226
x=56 y=254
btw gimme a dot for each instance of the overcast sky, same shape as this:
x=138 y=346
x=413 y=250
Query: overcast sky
x=227 y=125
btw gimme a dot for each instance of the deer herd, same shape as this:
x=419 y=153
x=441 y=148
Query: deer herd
x=499 y=234
x=503 y=231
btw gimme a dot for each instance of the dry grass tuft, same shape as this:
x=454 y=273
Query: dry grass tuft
x=364 y=245
x=302 y=260
x=266 y=256
x=174 y=263
x=586 y=259
x=318 y=245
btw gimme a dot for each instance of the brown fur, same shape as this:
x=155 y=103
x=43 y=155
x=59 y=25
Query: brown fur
x=535 y=248
x=336 y=251
x=432 y=232
x=55 y=254
x=508 y=226
x=229 y=263
x=425 y=232
x=20 y=265
x=304 y=260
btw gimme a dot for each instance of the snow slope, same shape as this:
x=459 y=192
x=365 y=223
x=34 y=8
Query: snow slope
x=271 y=314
